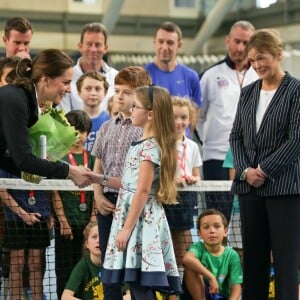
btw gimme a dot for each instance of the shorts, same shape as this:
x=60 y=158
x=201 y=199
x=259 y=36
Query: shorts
x=180 y=216
x=18 y=235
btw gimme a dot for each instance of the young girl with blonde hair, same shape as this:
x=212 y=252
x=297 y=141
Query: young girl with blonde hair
x=140 y=249
x=180 y=216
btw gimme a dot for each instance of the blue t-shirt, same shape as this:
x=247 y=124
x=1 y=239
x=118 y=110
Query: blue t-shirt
x=96 y=124
x=182 y=81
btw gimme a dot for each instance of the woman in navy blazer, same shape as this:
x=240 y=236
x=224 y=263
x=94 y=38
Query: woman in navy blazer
x=47 y=77
x=265 y=141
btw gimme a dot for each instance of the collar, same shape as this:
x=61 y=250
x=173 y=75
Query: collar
x=37 y=100
x=103 y=69
x=231 y=64
x=119 y=118
x=183 y=141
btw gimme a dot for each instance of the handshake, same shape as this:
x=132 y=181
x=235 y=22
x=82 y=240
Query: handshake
x=83 y=177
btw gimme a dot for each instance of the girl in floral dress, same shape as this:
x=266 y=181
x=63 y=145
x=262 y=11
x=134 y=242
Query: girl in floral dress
x=140 y=249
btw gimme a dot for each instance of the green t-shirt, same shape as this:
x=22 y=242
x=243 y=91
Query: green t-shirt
x=226 y=268
x=71 y=199
x=85 y=281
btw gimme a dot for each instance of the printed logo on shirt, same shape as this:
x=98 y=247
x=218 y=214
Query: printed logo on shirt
x=221 y=278
x=222 y=82
x=180 y=81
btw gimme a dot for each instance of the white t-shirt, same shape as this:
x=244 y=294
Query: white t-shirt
x=189 y=157
x=220 y=88
x=72 y=100
x=265 y=99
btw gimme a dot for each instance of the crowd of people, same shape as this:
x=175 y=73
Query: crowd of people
x=138 y=135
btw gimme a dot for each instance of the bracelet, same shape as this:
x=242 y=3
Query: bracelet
x=105 y=178
x=244 y=174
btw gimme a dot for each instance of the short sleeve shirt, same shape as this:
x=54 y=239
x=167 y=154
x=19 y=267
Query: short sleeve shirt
x=226 y=268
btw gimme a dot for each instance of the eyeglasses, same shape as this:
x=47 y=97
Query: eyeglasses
x=134 y=106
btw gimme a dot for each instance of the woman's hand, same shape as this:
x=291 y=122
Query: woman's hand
x=80 y=176
x=255 y=177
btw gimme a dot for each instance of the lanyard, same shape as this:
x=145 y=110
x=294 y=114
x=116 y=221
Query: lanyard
x=182 y=160
x=85 y=164
x=240 y=79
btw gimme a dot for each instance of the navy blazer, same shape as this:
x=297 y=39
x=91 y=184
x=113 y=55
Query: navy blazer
x=276 y=145
x=18 y=112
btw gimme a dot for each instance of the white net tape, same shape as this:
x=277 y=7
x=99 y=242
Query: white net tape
x=68 y=185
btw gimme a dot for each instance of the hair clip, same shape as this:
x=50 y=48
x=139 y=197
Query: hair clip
x=150 y=91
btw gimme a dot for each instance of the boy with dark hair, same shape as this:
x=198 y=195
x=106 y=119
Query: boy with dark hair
x=73 y=209
x=110 y=149
x=212 y=271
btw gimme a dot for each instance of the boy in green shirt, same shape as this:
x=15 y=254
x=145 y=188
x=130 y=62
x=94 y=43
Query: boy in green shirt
x=212 y=271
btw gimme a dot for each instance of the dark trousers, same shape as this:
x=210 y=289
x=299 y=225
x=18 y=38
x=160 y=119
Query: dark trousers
x=111 y=292
x=270 y=223
x=222 y=201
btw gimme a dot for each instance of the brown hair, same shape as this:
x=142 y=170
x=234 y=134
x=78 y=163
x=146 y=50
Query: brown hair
x=80 y=120
x=134 y=76
x=212 y=212
x=94 y=27
x=266 y=40
x=170 y=27
x=51 y=63
x=164 y=128
x=91 y=74
x=8 y=62
x=19 y=24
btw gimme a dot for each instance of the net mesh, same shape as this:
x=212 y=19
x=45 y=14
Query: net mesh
x=55 y=270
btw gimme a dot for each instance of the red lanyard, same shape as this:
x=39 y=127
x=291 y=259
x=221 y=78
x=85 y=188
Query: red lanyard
x=182 y=160
x=85 y=164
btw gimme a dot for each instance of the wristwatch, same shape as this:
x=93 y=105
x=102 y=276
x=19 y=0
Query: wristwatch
x=104 y=182
x=244 y=174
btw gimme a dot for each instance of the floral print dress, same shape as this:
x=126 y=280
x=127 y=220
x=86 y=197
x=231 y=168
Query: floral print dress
x=149 y=259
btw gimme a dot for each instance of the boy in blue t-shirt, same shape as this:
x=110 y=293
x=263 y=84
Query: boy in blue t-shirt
x=92 y=88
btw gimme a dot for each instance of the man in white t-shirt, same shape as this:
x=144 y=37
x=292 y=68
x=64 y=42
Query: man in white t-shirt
x=92 y=46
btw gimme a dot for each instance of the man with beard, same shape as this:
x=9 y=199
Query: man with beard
x=221 y=85
x=93 y=47
x=165 y=71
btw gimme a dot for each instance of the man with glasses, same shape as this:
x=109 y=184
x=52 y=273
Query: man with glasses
x=93 y=47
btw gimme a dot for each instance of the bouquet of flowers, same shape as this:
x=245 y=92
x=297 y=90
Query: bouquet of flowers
x=60 y=136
